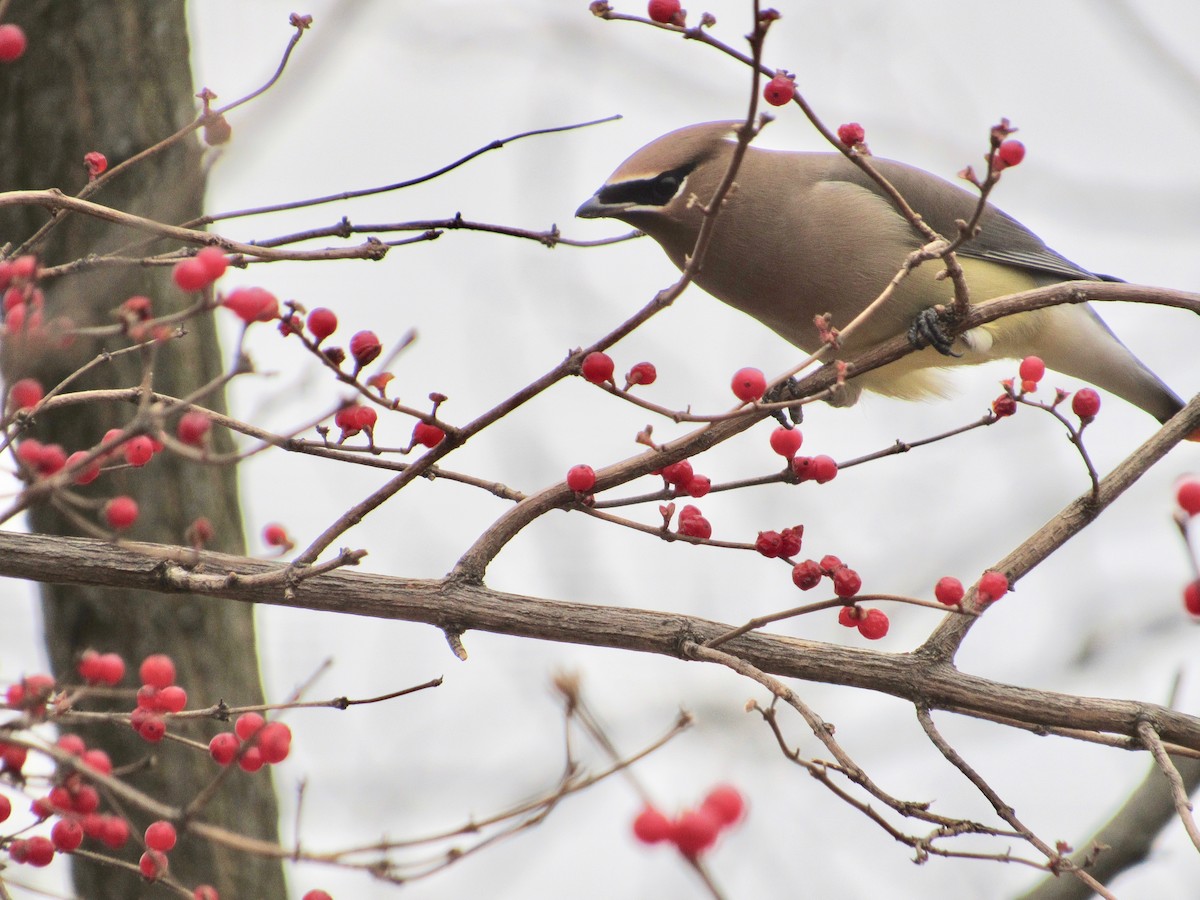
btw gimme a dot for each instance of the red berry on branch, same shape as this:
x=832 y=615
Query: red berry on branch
x=190 y=275
x=316 y=894
x=120 y=513
x=1032 y=369
x=846 y=582
x=698 y=486
x=851 y=134
x=66 y=835
x=790 y=540
x=205 y=892
x=769 y=544
x=748 y=384
x=780 y=90
x=949 y=590
x=427 y=435
x=322 y=323
x=1009 y=153
x=248 y=725
x=664 y=11
x=1187 y=495
x=651 y=826
x=365 y=348
x=26 y=393
x=581 y=478
x=678 y=474
x=786 y=441
x=806 y=575
x=275 y=742
x=1085 y=404
x=39 y=850
x=1003 y=406
x=172 y=699
x=214 y=262
x=275 y=535
x=694 y=525
x=12 y=43
x=695 y=831
x=152 y=729
x=115 y=832
x=992 y=586
x=88 y=473
x=192 y=427
x=160 y=836
x=642 y=373
x=223 y=748
x=823 y=469
x=157 y=670
x=726 y=803
x=849 y=616
x=597 y=368
x=138 y=450
x=252 y=304
x=152 y=865
x=251 y=760
x=874 y=624
x=1191 y=598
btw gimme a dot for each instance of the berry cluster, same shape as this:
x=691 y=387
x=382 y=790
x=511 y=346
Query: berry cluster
x=1085 y=403
x=1187 y=495
x=158 y=696
x=693 y=831
x=991 y=587
x=253 y=743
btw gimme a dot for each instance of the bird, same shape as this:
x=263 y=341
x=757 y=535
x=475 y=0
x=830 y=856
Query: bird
x=801 y=234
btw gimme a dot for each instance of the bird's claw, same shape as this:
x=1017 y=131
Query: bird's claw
x=786 y=390
x=927 y=330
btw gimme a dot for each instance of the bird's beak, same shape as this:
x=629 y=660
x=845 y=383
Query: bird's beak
x=595 y=208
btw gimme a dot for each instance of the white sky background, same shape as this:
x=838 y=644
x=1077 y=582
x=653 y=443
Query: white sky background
x=1105 y=96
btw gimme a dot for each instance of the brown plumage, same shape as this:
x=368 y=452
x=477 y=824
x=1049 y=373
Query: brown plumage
x=802 y=234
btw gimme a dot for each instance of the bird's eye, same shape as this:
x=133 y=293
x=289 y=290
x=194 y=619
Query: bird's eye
x=664 y=187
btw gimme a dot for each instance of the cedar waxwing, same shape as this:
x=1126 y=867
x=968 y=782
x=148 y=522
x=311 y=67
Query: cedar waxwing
x=802 y=234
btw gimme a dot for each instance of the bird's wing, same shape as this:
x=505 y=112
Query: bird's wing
x=1002 y=239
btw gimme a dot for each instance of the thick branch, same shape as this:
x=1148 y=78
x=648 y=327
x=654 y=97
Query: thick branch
x=457 y=607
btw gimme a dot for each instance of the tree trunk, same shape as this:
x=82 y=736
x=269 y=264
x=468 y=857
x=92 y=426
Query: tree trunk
x=113 y=76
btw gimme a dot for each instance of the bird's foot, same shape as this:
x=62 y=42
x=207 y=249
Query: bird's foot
x=786 y=390
x=927 y=330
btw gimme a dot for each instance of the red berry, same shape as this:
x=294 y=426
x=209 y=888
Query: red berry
x=112 y=668
x=26 y=393
x=316 y=894
x=1003 y=406
x=275 y=742
x=695 y=831
x=851 y=134
x=698 y=486
x=678 y=474
x=152 y=729
x=160 y=836
x=1187 y=495
x=1032 y=369
x=581 y=478
x=13 y=758
x=205 y=892
x=806 y=575
x=190 y=275
x=248 y=725
x=251 y=760
x=597 y=368
x=1191 y=602
x=790 y=540
x=992 y=586
x=98 y=760
x=157 y=670
x=252 y=304
x=18 y=850
x=192 y=428
x=874 y=624
x=786 y=441
x=427 y=435
x=664 y=11
x=12 y=43
x=822 y=469
x=67 y=835
x=275 y=535
x=748 y=384
x=172 y=699
x=365 y=348
x=830 y=563
x=138 y=450
x=769 y=544
x=71 y=743
x=642 y=373
x=88 y=473
x=322 y=323
x=120 y=513
x=153 y=865
x=115 y=833
x=651 y=826
x=846 y=582
x=780 y=90
x=214 y=262
x=726 y=803
x=1085 y=403
x=39 y=851
x=848 y=616
x=695 y=526
x=5 y=807
x=949 y=590
x=1009 y=153
x=223 y=747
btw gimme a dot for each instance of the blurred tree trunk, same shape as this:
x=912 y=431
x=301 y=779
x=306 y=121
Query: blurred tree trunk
x=113 y=76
